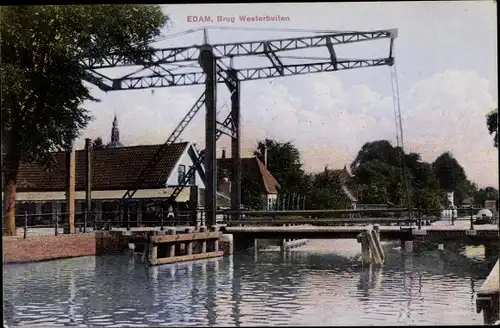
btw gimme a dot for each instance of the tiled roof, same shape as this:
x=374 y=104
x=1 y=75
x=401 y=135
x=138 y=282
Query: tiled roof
x=112 y=168
x=252 y=169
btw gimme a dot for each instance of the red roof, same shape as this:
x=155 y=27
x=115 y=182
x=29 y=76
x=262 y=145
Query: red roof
x=252 y=169
x=112 y=169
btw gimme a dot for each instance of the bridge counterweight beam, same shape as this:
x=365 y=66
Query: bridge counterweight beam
x=208 y=63
x=235 y=146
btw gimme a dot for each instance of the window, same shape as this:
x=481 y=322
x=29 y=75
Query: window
x=192 y=178
x=182 y=173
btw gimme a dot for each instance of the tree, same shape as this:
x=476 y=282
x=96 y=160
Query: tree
x=483 y=194
x=492 y=124
x=452 y=177
x=326 y=192
x=449 y=172
x=283 y=161
x=42 y=87
x=378 y=170
x=98 y=143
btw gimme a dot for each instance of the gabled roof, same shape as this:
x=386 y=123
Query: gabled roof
x=343 y=175
x=252 y=169
x=112 y=169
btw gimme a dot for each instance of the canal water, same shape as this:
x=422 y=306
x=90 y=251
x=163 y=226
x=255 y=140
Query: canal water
x=322 y=283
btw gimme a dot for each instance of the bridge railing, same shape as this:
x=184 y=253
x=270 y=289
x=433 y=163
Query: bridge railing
x=340 y=216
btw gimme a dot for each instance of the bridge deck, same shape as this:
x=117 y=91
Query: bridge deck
x=386 y=232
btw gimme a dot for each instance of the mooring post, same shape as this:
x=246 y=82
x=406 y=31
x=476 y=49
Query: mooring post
x=153 y=252
x=171 y=250
x=215 y=243
x=189 y=248
x=204 y=241
x=25 y=224
x=365 y=248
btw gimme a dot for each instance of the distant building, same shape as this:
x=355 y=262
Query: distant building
x=252 y=171
x=115 y=135
x=346 y=180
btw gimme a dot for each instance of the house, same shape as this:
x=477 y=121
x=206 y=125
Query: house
x=113 y=172
x=254 y=172
x=347 y=183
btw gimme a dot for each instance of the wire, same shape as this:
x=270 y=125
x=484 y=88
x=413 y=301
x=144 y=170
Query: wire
x=399 y=128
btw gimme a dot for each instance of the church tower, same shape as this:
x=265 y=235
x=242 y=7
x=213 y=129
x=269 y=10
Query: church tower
x=115 y=135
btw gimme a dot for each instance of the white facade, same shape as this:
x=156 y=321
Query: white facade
x=269 y=201
x=185 y=162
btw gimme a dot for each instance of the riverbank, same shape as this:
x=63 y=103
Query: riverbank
x=38 y=248
x=46 y=248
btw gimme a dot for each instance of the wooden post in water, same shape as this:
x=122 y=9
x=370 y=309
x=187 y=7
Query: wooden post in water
x=378 y=245
x=153 y=252
x=215 y=243
x=365 y=249
x=189 y=248
x=203 y=242
x=171 y=250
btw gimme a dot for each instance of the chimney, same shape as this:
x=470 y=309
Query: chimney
x=265 y=155
x=70 y=190
x=88 y=179
x=223 y=153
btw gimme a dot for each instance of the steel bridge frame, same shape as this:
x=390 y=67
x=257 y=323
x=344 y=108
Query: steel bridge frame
x=154 y=74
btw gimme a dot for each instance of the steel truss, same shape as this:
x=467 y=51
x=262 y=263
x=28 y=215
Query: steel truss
x=154 y=74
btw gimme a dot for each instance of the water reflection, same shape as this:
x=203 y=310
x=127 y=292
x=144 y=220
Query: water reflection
x=312 y=286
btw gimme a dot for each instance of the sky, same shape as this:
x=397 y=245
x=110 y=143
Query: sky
x=445 y=62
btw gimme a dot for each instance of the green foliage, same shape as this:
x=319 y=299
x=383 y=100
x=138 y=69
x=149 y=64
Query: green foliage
x=97 y=143
x=483 y=194
x=492 y=124
x=251 y=195
x=283 y=161
x=42 y=88
x=379 y=175
x=326 y=193
x=449 y=172
x=42 y=75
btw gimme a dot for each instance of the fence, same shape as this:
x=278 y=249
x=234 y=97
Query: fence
x=89 y=221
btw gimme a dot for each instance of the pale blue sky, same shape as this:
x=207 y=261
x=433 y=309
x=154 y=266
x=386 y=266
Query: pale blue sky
x=446 y=60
